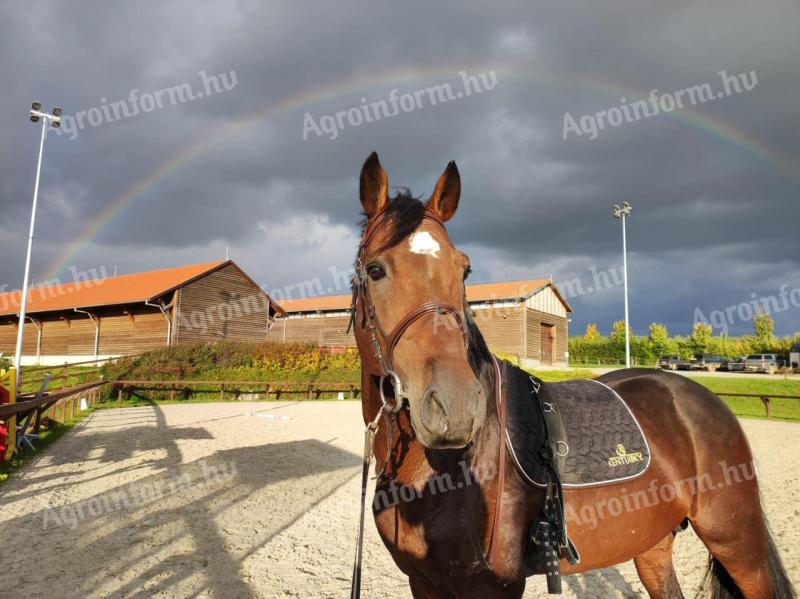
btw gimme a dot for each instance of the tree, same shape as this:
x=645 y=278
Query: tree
x=764 y=326
x=701 y=337
x=618 y=332
x=592 y=333
x=659 y=338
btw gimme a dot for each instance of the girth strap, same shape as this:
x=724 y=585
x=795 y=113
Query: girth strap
x=502 y=411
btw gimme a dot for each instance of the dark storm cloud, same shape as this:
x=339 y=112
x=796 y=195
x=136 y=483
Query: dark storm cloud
x=714 y=218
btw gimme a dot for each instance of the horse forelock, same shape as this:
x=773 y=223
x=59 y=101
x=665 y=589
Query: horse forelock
x=404 y=214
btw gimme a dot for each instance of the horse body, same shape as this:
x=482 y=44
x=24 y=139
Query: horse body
x=429 y=535
x=438 y=460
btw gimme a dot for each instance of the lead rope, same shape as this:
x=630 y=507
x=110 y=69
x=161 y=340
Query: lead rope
x=369 y=445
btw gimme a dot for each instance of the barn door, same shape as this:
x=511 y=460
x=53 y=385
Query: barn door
x=547 y=343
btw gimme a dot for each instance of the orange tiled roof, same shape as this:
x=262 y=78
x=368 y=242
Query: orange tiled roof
x=122 y=289
x=480 y=292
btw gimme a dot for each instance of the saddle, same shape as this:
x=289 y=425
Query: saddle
x=573 y=434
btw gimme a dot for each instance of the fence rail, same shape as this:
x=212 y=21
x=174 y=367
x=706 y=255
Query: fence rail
x=311 y=390
x=765 y=399
x=43 y=403
x=63 y=373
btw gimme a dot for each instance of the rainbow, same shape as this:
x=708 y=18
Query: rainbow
x=724 y=132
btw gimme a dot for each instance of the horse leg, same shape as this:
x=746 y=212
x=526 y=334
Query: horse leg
x=656 y=571
x=731 y=524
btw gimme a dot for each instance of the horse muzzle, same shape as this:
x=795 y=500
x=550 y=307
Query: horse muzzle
x=447 y=417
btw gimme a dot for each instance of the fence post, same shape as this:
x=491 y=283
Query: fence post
x=222 y=391
x=765 y=401
x=64 y=373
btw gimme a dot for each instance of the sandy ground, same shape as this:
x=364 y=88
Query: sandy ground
x=255 y=499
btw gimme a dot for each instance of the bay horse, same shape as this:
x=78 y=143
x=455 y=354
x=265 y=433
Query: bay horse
x=429 y=385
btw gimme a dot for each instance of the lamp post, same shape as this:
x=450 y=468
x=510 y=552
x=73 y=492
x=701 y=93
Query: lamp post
x=622 y=212
x=55 y=120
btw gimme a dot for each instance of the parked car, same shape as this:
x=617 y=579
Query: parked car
x=794 y=356
x=734 y=364
x=685 y=364
x=709 y=362
x=669 y=362
x=769 y=363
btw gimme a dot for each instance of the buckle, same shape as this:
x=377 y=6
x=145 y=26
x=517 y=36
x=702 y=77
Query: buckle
x=565 y=451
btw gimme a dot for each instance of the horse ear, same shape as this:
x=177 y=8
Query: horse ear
x=444 y=200
x=374 y=186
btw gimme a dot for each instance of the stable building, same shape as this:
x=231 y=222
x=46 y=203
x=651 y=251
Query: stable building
x=129 y=314
x=528 y=320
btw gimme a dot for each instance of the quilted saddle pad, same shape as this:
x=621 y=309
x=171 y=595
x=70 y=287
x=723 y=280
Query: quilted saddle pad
x=605 y=443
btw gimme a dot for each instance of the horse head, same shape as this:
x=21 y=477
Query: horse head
x=411 y=318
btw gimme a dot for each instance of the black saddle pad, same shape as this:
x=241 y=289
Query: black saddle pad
x=605 y=443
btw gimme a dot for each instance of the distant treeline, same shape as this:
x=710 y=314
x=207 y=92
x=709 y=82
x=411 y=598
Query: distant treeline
x=595 y=348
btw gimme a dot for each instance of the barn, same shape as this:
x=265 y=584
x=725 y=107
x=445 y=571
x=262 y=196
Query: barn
x=126 y=314
x=527 y=319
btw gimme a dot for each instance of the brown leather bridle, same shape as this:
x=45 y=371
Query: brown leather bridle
x=383 y=343
x=383 y=346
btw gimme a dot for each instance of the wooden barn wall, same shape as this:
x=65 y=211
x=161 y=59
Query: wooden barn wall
x=8 y=338
x=534 y=320
x=326 y=330
x=502 y=328
x=508 y=330
x=223 y=305
x=548 y=302
x=118 y=334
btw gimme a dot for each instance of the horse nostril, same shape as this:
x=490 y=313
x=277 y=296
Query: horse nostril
x=433 y=414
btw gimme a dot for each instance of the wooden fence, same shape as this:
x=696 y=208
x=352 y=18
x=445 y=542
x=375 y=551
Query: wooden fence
x=266 y=389
x=61 y=374
x=765 y=399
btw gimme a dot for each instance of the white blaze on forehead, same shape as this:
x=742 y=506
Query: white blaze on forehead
x=423 y=242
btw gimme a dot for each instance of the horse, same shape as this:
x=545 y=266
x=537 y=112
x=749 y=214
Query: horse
x=429 y=393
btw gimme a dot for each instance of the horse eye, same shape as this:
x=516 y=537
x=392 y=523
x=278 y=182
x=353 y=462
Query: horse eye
x=467 y=272
x=375 y=272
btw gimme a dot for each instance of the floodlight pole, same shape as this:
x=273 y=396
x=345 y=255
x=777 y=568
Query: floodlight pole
x=45 y=118
x=622 y=212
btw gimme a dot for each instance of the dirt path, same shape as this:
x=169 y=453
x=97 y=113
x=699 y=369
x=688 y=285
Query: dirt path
x=255 y=499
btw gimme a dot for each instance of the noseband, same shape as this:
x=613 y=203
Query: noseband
x=383 y=343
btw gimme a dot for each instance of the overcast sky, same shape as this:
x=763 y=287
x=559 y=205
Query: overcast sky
x=251 y=163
